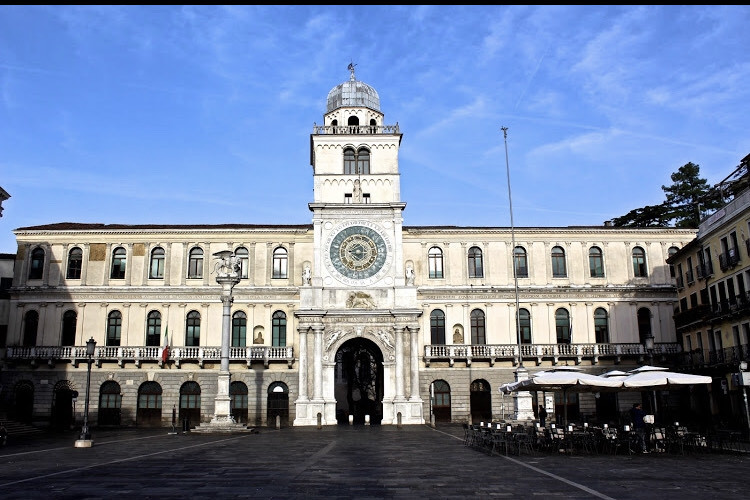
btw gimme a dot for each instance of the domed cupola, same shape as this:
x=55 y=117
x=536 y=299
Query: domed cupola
x=353 y=93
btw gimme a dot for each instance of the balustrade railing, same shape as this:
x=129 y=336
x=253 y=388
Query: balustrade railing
x=540 y=352
x=140 y=354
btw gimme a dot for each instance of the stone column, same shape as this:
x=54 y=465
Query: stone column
x=399 y=361
x=414 y=358
x=318 y=362
x=222 y=412
x=302 y=363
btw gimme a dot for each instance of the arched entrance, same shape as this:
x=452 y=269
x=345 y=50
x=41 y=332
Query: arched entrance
x=278 y=404
x=358 y=385
x=190 y=405
x=238 y=395
x=481 y=402
x=441 y=401
x=110 y=403
x=62 y=406
x=148 y=413
x=23 y=407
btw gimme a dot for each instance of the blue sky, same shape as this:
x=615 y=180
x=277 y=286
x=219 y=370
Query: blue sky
x=202 y=114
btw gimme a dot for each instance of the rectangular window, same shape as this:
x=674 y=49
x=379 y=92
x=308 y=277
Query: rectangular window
x=347 y=198
x=366 y=197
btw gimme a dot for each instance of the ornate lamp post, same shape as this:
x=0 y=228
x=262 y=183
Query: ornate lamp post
x=648 y=344
x=84 y=441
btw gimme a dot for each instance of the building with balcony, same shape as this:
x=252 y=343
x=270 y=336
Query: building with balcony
x=352 y=317
x=712 y=317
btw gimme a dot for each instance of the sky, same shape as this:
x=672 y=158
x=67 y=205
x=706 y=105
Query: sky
x=203 y=114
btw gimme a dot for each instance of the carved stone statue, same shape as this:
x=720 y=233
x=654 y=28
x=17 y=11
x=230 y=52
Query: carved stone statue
x=306 y=275
x=458 y=337
x=228 y=265
x=360 y=300
x=409 y=275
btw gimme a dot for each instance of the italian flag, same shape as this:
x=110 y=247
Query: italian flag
x=165 y=349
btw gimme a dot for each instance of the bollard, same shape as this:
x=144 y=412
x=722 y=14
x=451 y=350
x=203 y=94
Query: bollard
x=320 y=420
x=351 y=419
x=398 y=420
x=432 y=420
x=367 y=419
x=278 y=421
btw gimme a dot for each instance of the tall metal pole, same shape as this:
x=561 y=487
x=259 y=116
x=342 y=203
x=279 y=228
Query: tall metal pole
x=523 y=398
x=513 y=249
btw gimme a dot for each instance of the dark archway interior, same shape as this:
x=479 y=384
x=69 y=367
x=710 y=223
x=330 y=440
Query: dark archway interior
x=359 y=382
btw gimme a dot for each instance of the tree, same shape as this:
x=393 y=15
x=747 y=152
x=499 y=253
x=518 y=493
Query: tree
x=687 y=198
x=689 y=195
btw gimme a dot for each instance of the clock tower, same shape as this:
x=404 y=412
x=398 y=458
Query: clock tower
x=360 y=301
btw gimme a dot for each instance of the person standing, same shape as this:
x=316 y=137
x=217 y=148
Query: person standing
x=639 y=426
x=542 y=415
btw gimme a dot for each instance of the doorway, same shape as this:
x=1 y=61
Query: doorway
x=481 y=402
x=358 y=385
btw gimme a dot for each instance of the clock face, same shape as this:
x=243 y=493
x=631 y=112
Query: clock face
x=358 y=252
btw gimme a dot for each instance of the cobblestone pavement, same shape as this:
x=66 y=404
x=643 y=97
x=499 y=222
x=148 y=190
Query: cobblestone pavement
x=345 y=462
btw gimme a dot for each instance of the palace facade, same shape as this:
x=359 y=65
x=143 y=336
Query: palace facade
x=351 y=317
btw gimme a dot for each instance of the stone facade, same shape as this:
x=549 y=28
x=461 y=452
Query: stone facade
x=352 y=315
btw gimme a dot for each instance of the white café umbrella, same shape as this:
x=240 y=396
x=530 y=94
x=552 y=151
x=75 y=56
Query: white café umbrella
x=562 y=379
x=656 y=377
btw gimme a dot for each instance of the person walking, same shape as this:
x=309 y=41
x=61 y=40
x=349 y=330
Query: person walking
x=639 y=426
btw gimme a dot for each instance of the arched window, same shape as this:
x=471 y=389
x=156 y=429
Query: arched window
x=239 y=329
x=356 y=162
x=558 y=263
x=280 y=260
x=195 y=263
x=644 y=324
x=363 y=161
x=435 y=262
x=119 y=260
x=524 y=322
x=69 y=321
x=148 y=412
x=475 y=263
x=477 y=327
x=350 y=161
x=241 y=252
x=601 y=326
x=353 y=123
x=156 y=270
x=520 y=262
x=37 y=264
x=639 y=263
x=114 y=328
x=562 y=326
x=75 y=263
x=30 y=326
x=153 y=328
x=373 y=126
x=596 y=262
x=238 y=395
x=110 y=402
x=278 y=329
x=193 y=329
x=437 y=327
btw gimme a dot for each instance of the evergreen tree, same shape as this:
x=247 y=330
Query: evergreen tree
x=686 y=199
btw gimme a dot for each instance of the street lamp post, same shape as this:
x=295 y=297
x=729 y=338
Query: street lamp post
x=648 y=344
x=85 y=441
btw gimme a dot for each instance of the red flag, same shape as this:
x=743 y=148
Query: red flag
x=165 y=349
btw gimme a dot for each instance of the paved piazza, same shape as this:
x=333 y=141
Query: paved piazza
x=345 y=462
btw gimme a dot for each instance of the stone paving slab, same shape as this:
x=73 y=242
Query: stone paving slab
x=345 y=462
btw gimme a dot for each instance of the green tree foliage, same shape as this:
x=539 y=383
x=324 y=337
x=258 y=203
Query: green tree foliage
x=686 y=199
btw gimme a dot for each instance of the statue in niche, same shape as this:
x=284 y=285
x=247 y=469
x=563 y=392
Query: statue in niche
x=458 y=337
x=409 y=275
x=258 y=338
x=306 y=275
x=357 y=195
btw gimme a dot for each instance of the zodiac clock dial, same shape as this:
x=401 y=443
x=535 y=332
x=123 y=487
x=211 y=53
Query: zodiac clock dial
x=358 y=252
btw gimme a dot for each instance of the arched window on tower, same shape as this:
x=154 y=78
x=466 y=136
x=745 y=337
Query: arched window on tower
x=356 y=162
x=353 y=123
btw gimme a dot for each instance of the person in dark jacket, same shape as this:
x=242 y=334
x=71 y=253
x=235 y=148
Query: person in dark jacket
x=639 y=426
